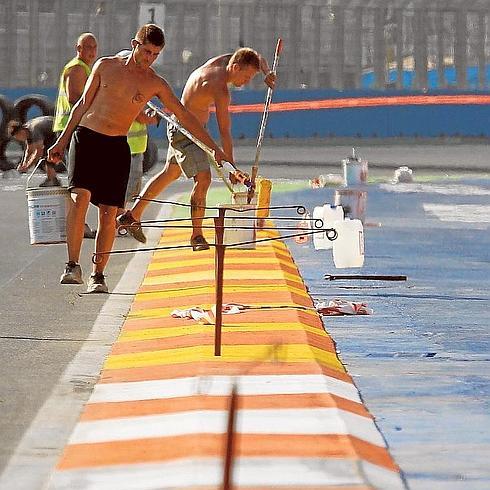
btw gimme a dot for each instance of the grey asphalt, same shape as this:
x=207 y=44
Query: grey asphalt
x=292 y=155
x=45 y=325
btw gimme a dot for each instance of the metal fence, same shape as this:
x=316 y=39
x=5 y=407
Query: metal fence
x=340 y=44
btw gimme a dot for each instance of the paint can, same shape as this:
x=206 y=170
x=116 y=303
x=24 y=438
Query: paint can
x=355 y=170
x=353 y=201
x=239 y=225
x=47 y=208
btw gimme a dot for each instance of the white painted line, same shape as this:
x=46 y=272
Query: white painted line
x=262 y=421
x=444 y=189
x=476 y=214
x=185 y=473
x=38 y=451
x=222 y=385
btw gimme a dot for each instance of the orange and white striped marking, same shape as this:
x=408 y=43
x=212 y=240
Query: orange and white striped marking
x=158 y=416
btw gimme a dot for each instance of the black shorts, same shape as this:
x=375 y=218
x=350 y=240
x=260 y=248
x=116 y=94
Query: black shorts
x=100 y=164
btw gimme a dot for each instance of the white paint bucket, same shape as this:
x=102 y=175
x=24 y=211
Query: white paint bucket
x=239 y=225
x=353 y=201
x=355 y=171
x=47 y=208
x=348 y=248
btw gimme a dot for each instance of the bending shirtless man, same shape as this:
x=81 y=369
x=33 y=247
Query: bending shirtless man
x=115 y=93
x=206 y=86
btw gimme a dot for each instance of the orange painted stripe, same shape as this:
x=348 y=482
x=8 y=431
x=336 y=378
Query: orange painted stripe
x=111 y=410
x=270 y=337
x=152 y=288
x=208 y=445
x=253 y=315
x=241 y=297
x=264 y=253
x=217 y=368
x=284 y=487
x=351 y=102
x=155 y=271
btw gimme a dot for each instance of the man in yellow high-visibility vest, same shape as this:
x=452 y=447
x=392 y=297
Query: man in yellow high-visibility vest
x=72 y=81
x=73 y=77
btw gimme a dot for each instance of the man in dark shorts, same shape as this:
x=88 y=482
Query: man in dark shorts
x=99 y=157
x=38 y=136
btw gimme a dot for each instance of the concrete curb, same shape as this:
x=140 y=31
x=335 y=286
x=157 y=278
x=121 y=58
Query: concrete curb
x=157 y=417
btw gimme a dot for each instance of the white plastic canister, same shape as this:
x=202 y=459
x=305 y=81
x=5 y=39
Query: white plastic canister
x=329 y=214
x=348 y=248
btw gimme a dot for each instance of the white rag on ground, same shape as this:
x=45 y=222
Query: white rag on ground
x=337 y=307
x=207 y=316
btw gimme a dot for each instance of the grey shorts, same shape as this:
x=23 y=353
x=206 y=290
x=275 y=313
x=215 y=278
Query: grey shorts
x=185 y=153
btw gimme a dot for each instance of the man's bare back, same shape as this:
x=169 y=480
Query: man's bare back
x=205 y=85
x=123 y=90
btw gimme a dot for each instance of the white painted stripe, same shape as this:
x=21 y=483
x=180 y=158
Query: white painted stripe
x=262 y=421
x=461 y=213
x=431 y=188
x=180 y=474
x=55 y=420
x=222 y=385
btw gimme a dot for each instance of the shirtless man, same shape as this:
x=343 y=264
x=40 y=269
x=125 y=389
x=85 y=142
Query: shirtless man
x=206 y=86
x=99 y=157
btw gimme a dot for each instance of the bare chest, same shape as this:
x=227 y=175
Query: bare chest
x=120 y=84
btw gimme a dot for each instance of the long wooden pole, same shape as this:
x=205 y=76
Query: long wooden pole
x=230 y=441
x=219 y=260
x=263 y=123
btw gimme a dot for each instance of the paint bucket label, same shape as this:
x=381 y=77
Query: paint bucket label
x=47 y=210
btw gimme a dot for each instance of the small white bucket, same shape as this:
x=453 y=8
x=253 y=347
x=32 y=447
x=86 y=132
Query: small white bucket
x=355 y=171
x=47 y=208
x=353 y=201
x=236 y=221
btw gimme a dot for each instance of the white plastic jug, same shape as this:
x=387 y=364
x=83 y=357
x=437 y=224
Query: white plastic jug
x=329 y=214
x=348 y=248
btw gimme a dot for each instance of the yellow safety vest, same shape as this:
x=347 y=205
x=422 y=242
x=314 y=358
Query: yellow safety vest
x=137 y=138
x=63 y=106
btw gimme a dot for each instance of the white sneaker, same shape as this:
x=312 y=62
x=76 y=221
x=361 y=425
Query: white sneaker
x=72 y=274
x=96 y=283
